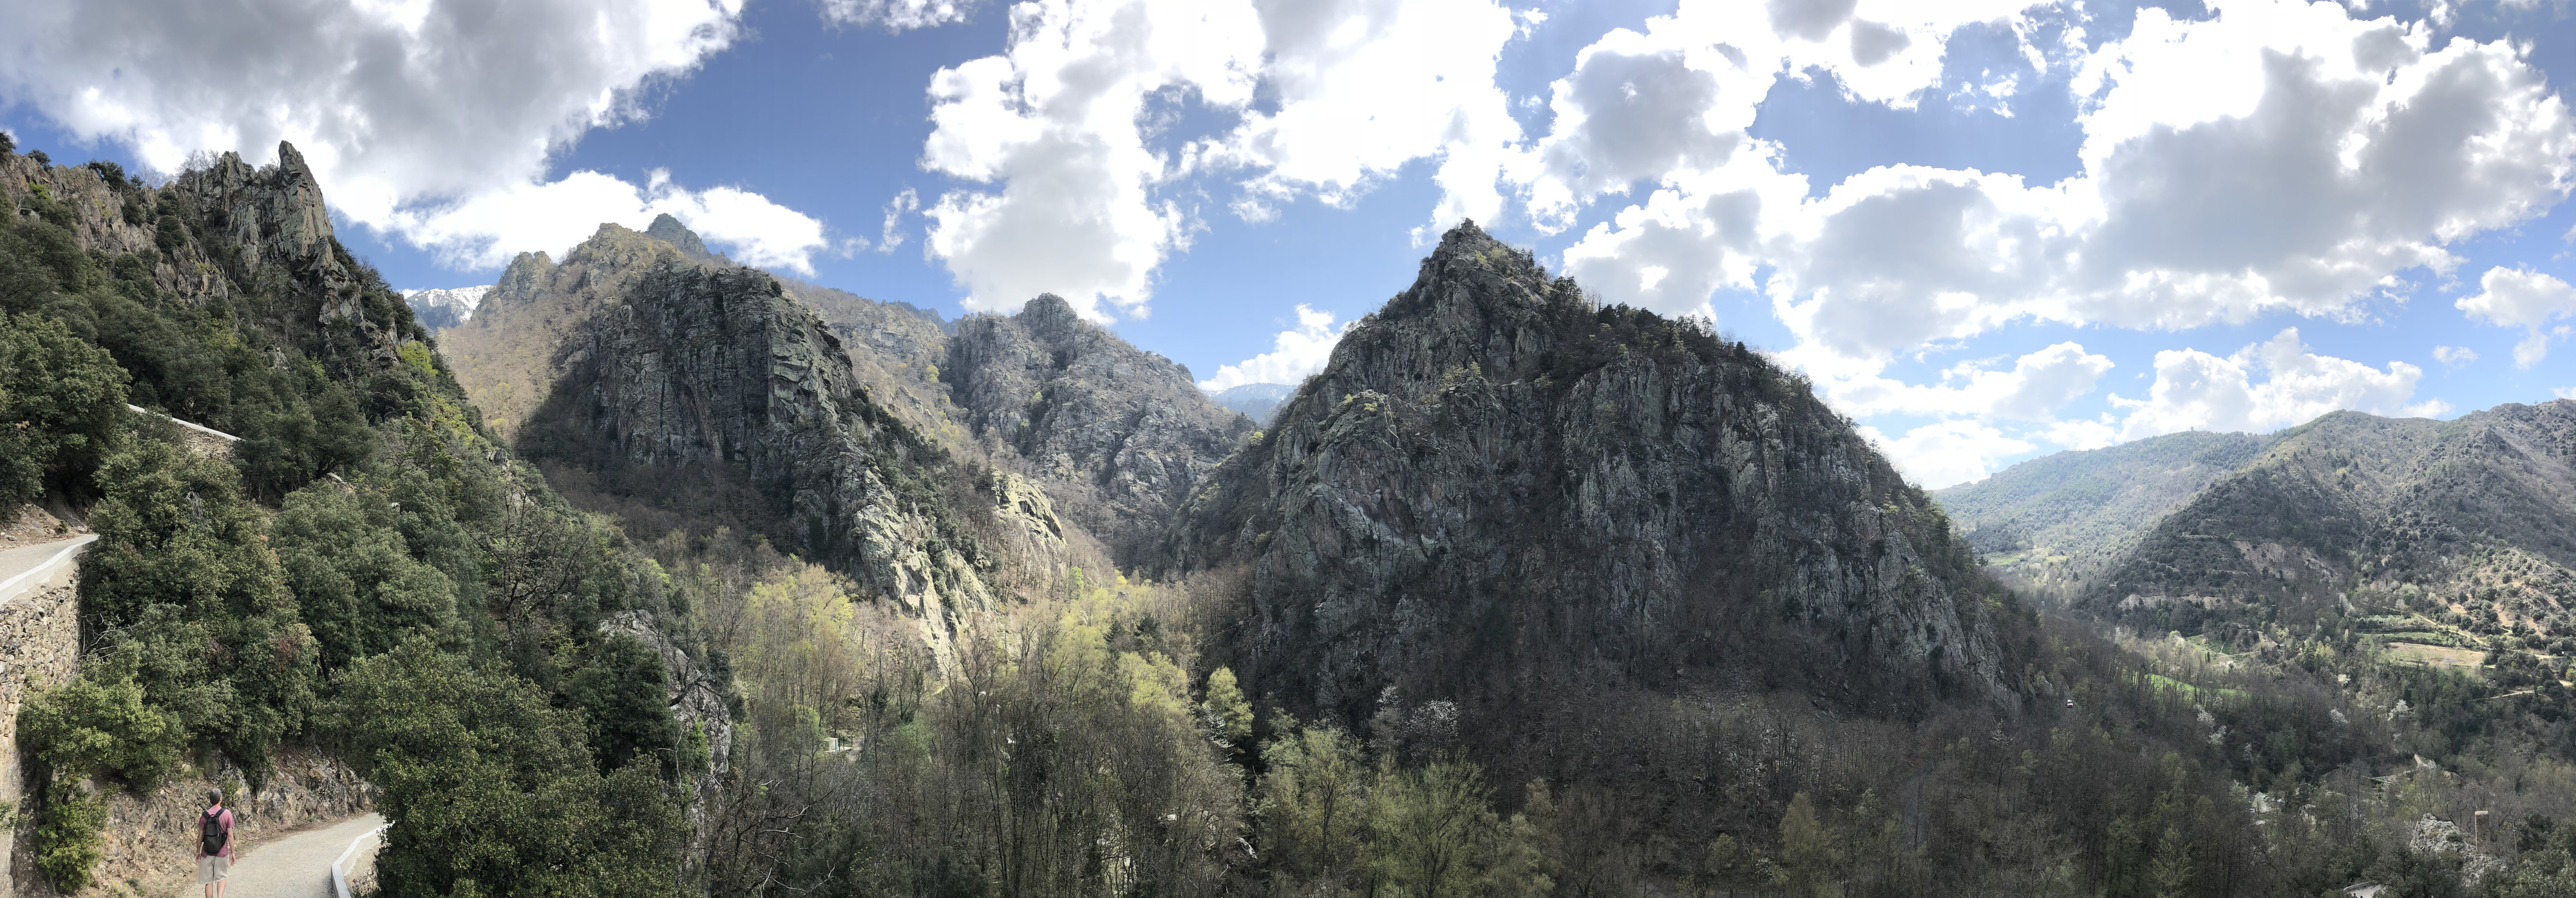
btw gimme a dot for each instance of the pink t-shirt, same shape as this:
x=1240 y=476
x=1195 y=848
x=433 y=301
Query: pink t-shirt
x=225 y=821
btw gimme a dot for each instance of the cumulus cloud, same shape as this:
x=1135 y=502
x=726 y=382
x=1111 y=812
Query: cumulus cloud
x=2033 y=389
x=2277 y=156
x=1948 y=453
x=2198 y=391
x=1293 y=355
x=487 y=229
x=1086 y=188
x=2520 y=297
x=894 y=15
x=429 y=121
x=2454 y=356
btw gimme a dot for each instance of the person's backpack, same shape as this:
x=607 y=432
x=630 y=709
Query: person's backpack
x=210 y=832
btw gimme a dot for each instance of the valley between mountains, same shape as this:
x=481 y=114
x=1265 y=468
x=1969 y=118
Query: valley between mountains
x=640 y=572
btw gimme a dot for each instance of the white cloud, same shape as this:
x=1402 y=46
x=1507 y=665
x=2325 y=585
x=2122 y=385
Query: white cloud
x=486 y=230
x=2277 y=156
x=429 y=121
x=894 y=15
x=1293 y=354
x=2033 y=390
x=2198 y=391
x=2454 y=356
x=2520 y=297
x=1947 y=453
x=1070 y=127
x=902 y=204
x=2563 y=392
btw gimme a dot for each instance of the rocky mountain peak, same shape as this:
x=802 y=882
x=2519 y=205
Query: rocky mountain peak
x=670 y=230
x=1496 y=480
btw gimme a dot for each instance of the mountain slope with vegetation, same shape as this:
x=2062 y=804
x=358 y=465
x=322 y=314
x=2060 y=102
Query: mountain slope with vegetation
x=366 y=572
x=2051 y=524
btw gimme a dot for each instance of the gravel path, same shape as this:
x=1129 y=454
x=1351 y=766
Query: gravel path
x=298 y=864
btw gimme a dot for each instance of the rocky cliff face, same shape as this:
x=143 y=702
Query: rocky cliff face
x=510 y=353
x=713 y=377
x=1498 y=494
x=258 y=239
x=1120 y=435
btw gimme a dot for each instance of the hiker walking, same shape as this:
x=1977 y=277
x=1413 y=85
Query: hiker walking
x=214 y=845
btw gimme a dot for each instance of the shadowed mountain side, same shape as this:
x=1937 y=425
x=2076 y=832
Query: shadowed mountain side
x=1120 y=435
x=1503 y=500
x=710 y=383
x=511 y=352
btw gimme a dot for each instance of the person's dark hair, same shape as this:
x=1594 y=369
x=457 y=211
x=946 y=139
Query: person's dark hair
x=214 y=796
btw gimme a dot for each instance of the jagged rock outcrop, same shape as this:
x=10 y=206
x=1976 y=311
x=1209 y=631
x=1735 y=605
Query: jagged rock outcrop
x=669 y=230
x=257 y=238
x=698 y=705
x=1499 y=494
x=1120 y=435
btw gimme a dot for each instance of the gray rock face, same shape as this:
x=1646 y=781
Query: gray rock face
x=1120 y=435
x=1496 y=490
x=714 y=375
x=669 y=230
x=271 y=221
x=511 y=352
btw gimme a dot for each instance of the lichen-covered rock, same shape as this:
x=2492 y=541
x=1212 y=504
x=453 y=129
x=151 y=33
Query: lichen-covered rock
x=1497 y=488
x=1119 y=434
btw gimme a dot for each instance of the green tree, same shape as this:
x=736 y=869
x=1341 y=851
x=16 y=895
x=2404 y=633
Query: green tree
x=1228 y=715
x=1434 y=833
x=493 y=789
x=62 y=405
x=1730 y=866
x=1311 y=798
x=1809 y=858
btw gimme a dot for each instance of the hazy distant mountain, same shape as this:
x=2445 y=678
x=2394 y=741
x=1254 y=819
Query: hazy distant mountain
x=1255 y=401
x=439 y=310
x=2050 y=523
x=2460 y=532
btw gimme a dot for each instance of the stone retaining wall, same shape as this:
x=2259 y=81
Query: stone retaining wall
x=39 y=647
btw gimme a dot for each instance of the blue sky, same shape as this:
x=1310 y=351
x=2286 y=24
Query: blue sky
x=1986 y=230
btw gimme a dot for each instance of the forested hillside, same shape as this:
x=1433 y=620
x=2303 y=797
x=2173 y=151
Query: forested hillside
x=367 y=572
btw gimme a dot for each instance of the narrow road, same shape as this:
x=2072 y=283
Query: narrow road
x=19 y=567
x=295 y=865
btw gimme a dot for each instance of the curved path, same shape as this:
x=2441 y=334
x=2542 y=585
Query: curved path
x=297 y=864
x=24 y=567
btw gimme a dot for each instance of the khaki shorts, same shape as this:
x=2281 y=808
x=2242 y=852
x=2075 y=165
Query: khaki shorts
x=213 y=869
